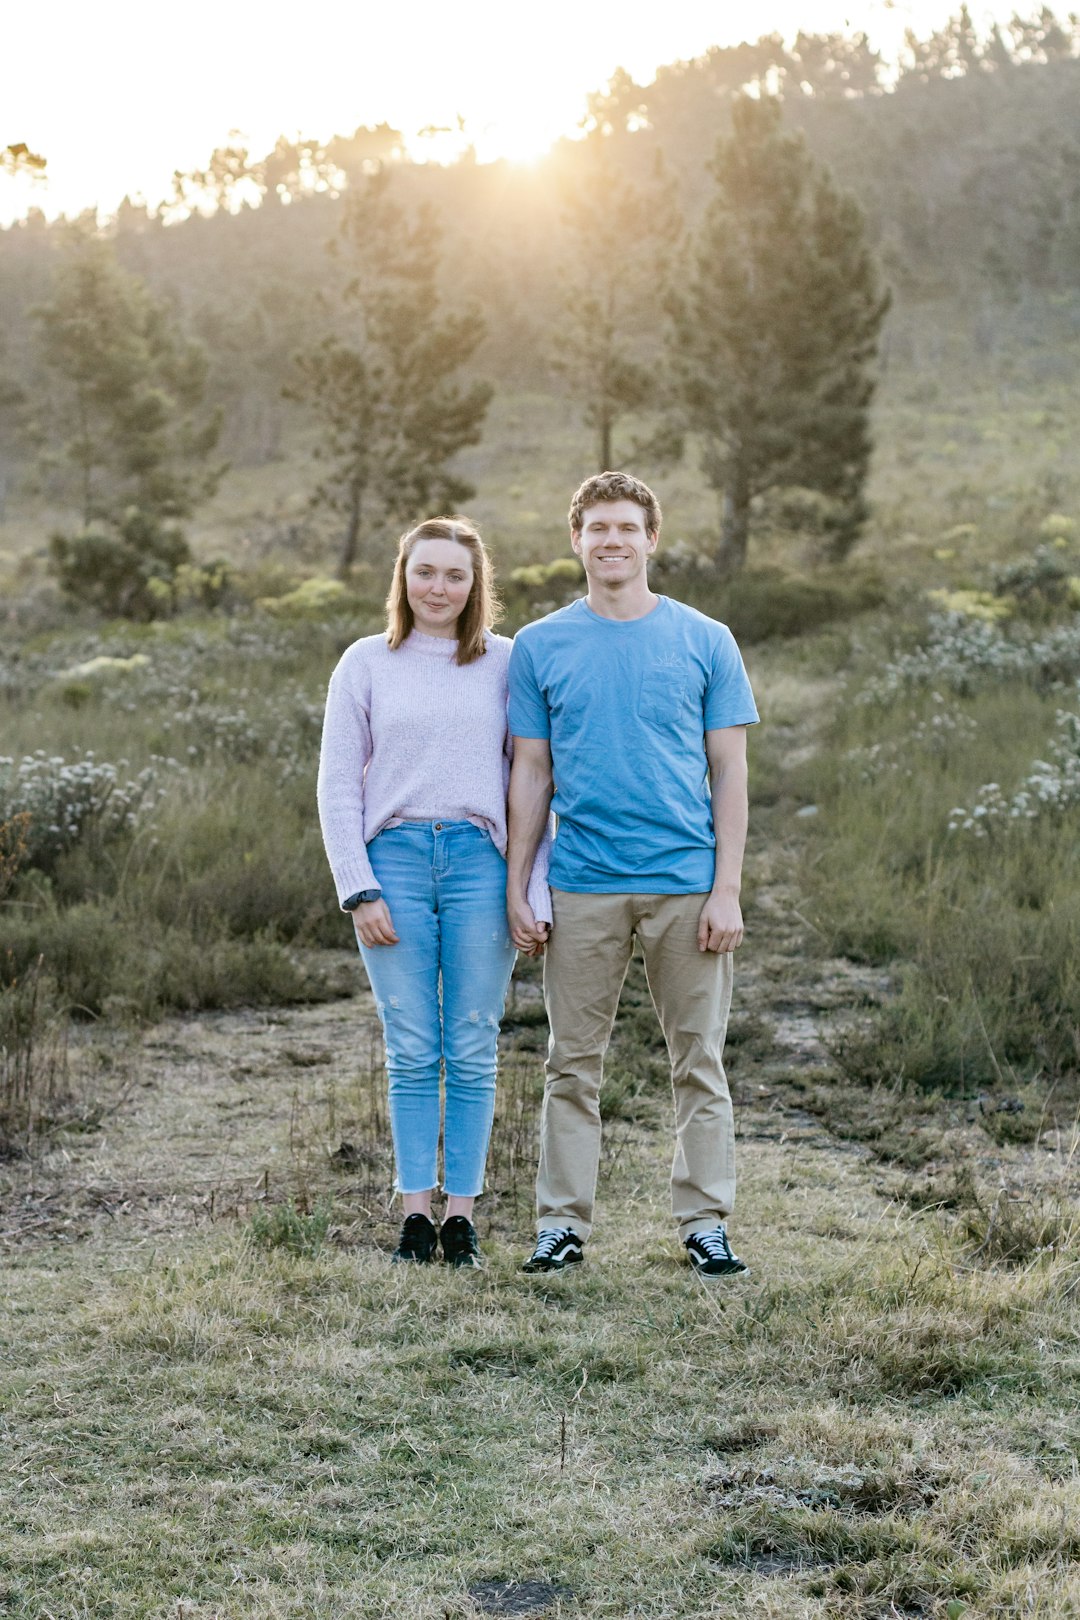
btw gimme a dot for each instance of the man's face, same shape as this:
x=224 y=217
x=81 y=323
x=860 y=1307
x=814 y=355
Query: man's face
x=613 y=543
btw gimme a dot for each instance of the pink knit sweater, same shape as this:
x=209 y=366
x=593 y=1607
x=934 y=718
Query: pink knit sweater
x=411 y=735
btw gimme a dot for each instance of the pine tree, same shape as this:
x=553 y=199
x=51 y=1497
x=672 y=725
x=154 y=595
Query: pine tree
x=126 y=418
x=131 y=385
x=392 y=411
x=619 y=235
x=776 y=332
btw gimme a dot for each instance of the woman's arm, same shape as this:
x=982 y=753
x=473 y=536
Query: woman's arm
x=343 y=758
x=528 y=815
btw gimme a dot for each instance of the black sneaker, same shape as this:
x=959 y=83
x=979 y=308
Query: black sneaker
x=554 y=1249
x=460 y=1245
x=711 y=1254
x=418 y=1241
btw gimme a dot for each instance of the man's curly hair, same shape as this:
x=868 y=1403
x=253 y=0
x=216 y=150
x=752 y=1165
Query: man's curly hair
x=615 y=486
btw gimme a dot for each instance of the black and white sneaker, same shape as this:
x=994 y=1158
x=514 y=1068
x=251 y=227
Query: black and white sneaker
x=554 y=1249
x=460 y=1245
x=418 y=1241
x=711 y=1254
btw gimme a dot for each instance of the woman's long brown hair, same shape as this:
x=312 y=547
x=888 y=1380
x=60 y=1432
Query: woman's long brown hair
x=483 y=606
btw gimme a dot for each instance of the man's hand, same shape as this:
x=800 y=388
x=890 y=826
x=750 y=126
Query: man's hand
x=527 y=934
x=374 y=924
x=720 y=927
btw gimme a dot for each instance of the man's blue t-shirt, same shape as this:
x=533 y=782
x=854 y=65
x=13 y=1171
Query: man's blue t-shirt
x=626 y=704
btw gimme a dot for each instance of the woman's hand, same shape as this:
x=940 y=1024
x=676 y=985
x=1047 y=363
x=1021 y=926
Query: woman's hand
x=527 y=934
x=374 y=924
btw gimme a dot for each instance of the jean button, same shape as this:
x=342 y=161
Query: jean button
x=438 y=826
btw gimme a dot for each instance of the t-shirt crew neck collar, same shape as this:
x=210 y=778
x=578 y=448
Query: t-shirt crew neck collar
x=625 y=624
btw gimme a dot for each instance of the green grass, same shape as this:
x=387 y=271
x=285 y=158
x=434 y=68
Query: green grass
x=982 y=933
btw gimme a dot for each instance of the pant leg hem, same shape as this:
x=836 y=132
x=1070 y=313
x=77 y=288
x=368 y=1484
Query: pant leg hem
x=703 y=1223
x=559 y=1223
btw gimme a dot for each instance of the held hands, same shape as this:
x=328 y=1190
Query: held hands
x=374 y=924
x=527 y=934
x=720 y=927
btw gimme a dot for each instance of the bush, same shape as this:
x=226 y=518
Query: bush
x=58 y=802
x=986 y=952
x=117 y=569
x=962 y=655
x=1040 y=586
x=766 y=603
x=100 y=959
x=539 y=588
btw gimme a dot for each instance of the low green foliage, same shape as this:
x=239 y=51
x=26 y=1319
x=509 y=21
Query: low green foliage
x=173 y=866
x=977 y=908
x=283 y=1226
x=767 y=603
x=125 y=570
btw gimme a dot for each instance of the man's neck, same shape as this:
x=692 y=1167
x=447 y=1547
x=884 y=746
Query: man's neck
x=621 y=602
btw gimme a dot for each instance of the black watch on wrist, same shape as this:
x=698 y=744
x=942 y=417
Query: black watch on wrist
x=362 y=898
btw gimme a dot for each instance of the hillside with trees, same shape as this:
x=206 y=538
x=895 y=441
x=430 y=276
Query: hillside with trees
x=962 y=164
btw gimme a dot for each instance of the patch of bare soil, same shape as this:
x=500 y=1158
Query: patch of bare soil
x=212 y=1113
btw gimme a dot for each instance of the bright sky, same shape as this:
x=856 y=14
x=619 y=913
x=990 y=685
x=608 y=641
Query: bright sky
x=118 y=94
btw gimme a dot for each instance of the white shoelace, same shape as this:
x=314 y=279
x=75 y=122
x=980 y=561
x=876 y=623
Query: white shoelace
x=549 y=1241
x=715 y=1244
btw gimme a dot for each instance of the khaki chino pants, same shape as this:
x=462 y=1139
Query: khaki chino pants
x=587 y=956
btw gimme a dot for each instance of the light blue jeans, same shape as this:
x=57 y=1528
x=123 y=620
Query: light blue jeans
x=439 y=994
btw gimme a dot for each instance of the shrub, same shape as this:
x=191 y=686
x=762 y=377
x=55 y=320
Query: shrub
x=986 y=957
x=1050 y=788
x=117 y=569
x=960 y=654
x=312 y=598
x=762 y=604
x=58 y=801
x=1039 y=585
x=538 y=588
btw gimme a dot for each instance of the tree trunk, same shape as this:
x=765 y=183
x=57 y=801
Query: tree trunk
x=603 y=441
x=734 y=524
x=352 y=531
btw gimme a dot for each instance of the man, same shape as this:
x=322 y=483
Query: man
x=629 y=713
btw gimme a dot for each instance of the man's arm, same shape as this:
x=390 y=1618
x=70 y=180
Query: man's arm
x=721 y=925
x=528 y=807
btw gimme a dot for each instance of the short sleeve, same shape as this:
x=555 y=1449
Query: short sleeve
x=729 y=700
x=529 y=715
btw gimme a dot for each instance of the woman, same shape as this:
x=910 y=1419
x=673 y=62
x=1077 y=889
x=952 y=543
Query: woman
x=412 y=801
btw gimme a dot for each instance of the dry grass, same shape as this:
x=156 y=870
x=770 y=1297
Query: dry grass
x=874 y=1424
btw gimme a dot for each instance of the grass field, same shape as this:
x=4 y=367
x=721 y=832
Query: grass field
x=220 y=1400
x=217 y=1399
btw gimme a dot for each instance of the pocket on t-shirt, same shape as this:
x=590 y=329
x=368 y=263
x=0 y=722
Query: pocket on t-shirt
x=666 y=693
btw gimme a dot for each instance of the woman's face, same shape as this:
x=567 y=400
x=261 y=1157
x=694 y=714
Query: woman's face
x=438 y=579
